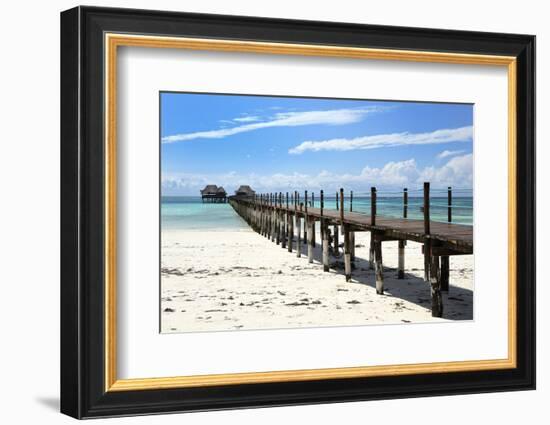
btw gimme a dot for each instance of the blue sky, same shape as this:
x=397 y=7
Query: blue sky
x=281 y=143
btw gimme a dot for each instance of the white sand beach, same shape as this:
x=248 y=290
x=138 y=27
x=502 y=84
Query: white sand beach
x=231 y=280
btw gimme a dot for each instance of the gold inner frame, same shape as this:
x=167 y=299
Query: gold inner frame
x=113 y=41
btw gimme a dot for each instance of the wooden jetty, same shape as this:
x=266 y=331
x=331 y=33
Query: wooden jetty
x=280 y=218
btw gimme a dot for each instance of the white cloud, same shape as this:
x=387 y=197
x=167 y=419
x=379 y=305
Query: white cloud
x=282 y=119
x=248 y=118
x=462 y=134
x=457 y=172
x=446 y=153
x=393 y=175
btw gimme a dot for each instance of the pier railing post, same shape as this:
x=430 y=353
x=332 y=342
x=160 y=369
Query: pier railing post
x=405 y=202
x=373 y=206
x=273 y=218
x=299 y=233
x=290 y=227
x=283 y=223
x=378 y=266
x=373 y=223
x=427 y=208
x=402 y=242
x=431 y=262
x=313 y=220
x=426 y=211
x=306 y=218
x=280 y=220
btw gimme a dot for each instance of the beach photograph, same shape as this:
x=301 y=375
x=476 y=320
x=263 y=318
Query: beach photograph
x=284 y=212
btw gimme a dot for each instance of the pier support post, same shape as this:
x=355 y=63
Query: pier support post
x=298 y=236
x=347 y=253
x=426 y=263
x=352 y=247
x=283 y=229
x=290 y=232
x=401 y=260
x=378 y=270
x=445 y=273
x=310 y=245
x=435 y=284
x=336 y=250
x=371 y=251
x=306 y=227
x=273 y=225
x=325 y=246
x=277 y=226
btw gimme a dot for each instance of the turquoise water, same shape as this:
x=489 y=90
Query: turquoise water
x=392 y=206
x=189 y=213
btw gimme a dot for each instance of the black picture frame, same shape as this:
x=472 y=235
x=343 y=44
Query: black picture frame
x=83 y=392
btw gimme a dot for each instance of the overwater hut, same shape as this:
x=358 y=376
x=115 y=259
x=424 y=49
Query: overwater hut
x=213 y=193
x=245 y=190
x=221 y=194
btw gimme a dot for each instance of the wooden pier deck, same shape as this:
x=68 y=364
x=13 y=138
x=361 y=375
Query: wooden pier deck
x=281 y=221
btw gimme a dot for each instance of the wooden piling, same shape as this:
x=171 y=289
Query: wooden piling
x=401 y=260
x=321 y=208
x=445 y=258
x=405 y=202
x=378 y=268
x=426 y=211
x=449 y=204
x=288 y=226
x=445 y=273
x=313 y=223
x=324 y=232
x=277 y=214
x=426 y=208
x=347 y=253
x=371 y=251
x=402 y=242
x=290 y=230
x=273 y=219
x=306 y=224
x=435 y=284
x=352 y=248
x=310 y=244
x=372 y=255
x=373 y=206
x=299 y=234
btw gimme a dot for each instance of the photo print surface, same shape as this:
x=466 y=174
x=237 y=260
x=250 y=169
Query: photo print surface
x=289 y=212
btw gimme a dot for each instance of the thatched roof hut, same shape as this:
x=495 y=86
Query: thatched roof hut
x=210 y=189
x=213 y=193
x=245 y=190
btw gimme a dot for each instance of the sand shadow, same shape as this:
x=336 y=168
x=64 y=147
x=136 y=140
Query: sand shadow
x=458 y=302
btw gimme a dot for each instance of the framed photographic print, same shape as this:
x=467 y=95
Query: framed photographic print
x=261 y=212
